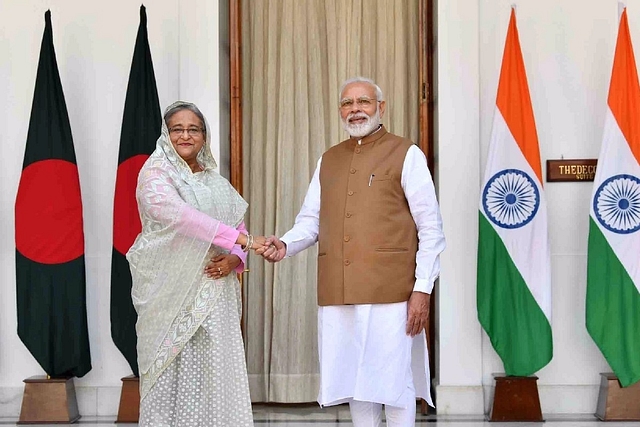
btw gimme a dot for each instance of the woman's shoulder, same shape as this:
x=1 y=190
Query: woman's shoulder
x=156 y=168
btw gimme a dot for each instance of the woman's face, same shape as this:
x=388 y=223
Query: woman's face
x=186 y=134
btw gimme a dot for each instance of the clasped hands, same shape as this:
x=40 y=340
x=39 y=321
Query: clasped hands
x=274 y=249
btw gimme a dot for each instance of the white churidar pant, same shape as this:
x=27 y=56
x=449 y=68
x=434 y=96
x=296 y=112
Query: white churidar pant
x=367 y=414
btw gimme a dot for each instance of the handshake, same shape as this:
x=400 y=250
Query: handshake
x=270 y=248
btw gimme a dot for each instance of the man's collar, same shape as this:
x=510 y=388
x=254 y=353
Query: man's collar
x=373 y=136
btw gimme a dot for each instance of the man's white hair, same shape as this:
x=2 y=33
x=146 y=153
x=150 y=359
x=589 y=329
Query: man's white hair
x=361 y=80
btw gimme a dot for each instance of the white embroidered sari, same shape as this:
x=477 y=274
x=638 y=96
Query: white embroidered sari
x=190 y=351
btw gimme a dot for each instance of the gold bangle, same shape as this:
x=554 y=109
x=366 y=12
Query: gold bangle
x=249 y=244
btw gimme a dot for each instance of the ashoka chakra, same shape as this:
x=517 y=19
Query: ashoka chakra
x=617 y=204
x=510 y=199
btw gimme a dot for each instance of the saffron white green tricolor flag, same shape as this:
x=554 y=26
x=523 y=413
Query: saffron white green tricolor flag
x=613 y=273
x=514 y=279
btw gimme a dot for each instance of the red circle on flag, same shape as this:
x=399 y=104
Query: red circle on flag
x=49 y=212
x=126 y=220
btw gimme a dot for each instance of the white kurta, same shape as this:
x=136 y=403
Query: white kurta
x=365 y=353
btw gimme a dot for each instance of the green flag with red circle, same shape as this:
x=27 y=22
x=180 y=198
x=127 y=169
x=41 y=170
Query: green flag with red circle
x=141 y=127
x=50 y=267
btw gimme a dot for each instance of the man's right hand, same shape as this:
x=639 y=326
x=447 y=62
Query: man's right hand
x=274 y=249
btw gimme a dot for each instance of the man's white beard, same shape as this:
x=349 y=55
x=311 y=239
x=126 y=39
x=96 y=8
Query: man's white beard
x=359 y=130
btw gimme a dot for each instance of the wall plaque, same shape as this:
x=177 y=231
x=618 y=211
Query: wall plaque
x=571 y=170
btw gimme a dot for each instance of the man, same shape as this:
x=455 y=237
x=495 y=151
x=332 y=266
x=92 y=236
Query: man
x=372 y=208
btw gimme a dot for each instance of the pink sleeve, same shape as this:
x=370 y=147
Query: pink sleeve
x=237 y=250
x=226 y=237
x=159 y=200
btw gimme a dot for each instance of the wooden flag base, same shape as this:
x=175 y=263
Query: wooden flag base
x=616 y=403
x=516 y=399
x=49 y=401
x=129 y=410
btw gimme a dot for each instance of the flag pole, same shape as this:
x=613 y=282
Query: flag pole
x=516 y=396
x=610 y=286
x=52 y=327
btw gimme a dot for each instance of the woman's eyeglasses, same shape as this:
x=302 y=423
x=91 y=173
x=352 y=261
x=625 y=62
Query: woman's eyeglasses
x=178 y=131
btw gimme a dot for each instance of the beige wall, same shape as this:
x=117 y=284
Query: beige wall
x=568 y=48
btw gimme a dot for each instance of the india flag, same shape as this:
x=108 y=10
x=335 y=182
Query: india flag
x=613 y=273
x=514 y=283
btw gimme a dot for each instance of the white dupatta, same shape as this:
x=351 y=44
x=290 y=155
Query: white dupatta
x=180 y=213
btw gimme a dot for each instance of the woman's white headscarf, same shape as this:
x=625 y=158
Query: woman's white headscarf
x=180 y=213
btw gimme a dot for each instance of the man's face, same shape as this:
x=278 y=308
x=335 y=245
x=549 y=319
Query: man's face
x=359 y=110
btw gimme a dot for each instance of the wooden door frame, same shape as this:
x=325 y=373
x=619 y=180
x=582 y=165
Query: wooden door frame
x=426 y=138
x=426 y=107
x=235 y=71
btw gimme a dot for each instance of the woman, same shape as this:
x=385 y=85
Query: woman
x=185 y=287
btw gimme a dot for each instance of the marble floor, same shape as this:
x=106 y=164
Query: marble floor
x=311 y=415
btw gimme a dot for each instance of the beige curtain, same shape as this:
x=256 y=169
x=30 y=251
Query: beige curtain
x=295 y=56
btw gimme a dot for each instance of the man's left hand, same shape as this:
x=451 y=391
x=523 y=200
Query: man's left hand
x=417 y=312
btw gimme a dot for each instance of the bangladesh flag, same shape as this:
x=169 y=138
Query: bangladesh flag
x=141 y=127
x=613 y=271
x=514 y=279
x=50 y=270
